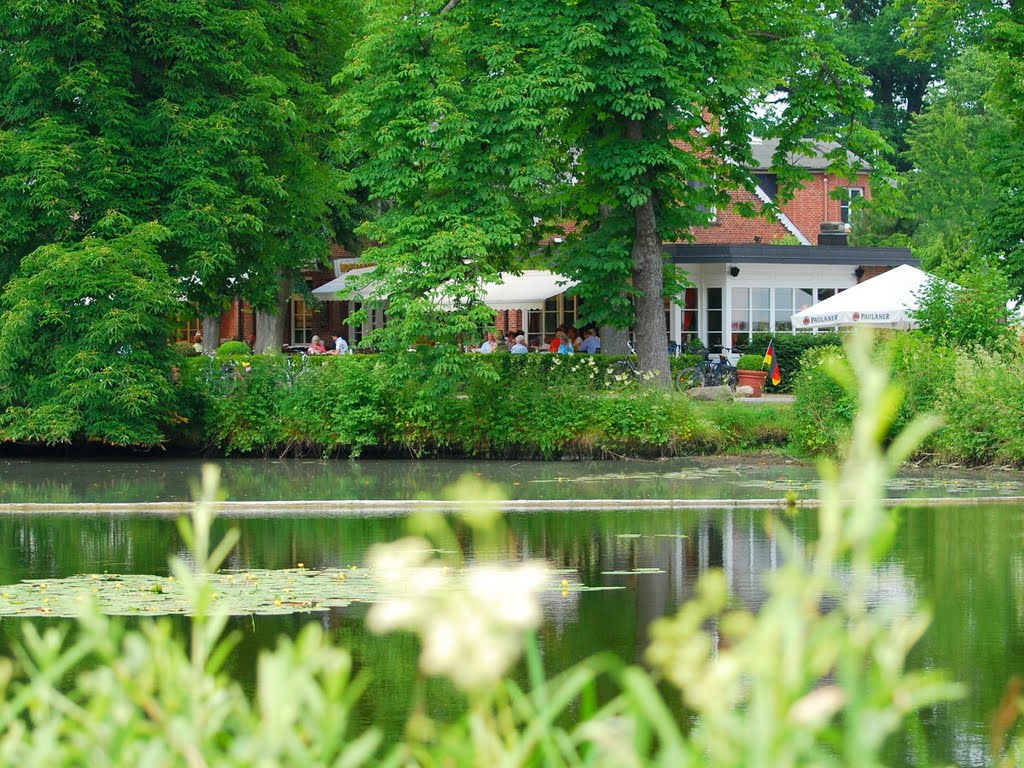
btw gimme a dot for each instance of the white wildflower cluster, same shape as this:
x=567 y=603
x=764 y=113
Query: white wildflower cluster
x=470 y=621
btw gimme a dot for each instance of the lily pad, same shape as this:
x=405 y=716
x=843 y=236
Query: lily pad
x=294 y=590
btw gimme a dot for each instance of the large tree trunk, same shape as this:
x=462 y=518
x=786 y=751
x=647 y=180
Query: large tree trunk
x=614 y=341
x=211 y=333
x=270 y=326
x=649 y=280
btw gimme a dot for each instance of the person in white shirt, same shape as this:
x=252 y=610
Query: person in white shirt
x=519 y=348
x=490 y=343
x=340 y=345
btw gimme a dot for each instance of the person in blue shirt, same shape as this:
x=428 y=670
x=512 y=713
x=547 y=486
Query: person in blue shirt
x=519 y=348
x=564 y=345
x=591 y=343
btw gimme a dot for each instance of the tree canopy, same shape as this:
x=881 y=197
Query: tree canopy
x=83 y=343
x=482 y=127
x=207 y=116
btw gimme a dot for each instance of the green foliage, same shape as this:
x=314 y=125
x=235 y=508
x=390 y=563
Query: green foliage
x=499 y=406
x=208 y=117
x=750 y=363
x=233 y=349
x=83 y=350
x=185 y=349
x=982 y=404
x=656 y=98
x=972 y=314
x=869 y=35
x=789 y=349
x=824 y=409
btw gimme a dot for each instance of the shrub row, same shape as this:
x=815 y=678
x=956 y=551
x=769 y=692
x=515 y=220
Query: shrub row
x=977 y=394
x=498 y=406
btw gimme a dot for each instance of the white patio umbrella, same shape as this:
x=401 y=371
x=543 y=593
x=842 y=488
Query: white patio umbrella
x=885 y=300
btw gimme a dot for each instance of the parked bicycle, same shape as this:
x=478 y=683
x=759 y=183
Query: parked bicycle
x=709 y=372
x=627 y=366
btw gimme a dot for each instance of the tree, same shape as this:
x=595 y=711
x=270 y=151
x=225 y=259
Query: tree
x=207 y=116
x=970 y=314
x=869 y=33
x=939 y=206
x=630 y=119
x=83 y=343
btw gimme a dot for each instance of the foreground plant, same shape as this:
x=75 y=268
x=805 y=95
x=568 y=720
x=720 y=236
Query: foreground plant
x=819 y=675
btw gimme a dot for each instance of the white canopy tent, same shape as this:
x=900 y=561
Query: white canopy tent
x=885 y=300
x=339 y=289
x=526 y=291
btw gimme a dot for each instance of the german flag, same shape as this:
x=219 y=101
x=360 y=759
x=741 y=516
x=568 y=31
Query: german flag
x=772 y=363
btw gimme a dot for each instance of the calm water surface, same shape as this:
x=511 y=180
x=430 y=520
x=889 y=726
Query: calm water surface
x=964 y=561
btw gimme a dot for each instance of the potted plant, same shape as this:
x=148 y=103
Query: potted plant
x=749 y=370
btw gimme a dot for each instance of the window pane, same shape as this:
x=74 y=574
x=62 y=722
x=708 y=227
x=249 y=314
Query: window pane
x=804 y=298
x=760 y=320
x=714 y=317
x=760 y=298
x=826 y=293
x=783 y=299
x=740 y=298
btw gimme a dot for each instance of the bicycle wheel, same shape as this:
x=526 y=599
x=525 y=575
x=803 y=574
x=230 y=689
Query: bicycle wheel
x=689 y=378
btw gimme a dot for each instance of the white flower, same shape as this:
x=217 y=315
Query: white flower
x=470 y=622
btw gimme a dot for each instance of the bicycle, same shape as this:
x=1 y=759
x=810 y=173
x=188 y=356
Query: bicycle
x=708 y=373
x=627 y=366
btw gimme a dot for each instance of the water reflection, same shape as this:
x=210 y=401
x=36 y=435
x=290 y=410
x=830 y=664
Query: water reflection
x=966 y=562
x=66 y=482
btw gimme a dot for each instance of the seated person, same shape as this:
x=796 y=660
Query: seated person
x=490 y=343
x=197 y=343
x=316 y=346
x=564 y=345
x=574 y=338
x=556 y=342
x=340 y=346
x=591 y=343
x=519 y=348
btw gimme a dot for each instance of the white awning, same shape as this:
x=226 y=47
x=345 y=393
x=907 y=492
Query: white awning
x=339 y=289
x=526 y=291
x=885 y=300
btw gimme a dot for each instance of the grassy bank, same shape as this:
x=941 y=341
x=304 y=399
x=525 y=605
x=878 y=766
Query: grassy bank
x=538 y=406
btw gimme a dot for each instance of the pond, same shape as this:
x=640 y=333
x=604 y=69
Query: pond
x=963 y=560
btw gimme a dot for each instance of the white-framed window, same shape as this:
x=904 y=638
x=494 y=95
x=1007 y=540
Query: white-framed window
x=754 y=310
x=846 y=204
x=751 y=313
x=301 y=321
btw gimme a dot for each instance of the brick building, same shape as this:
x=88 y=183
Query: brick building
x=748 y=274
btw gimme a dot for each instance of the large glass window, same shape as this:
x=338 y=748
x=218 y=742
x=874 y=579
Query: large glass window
x=557 y=310
x=751 y=313
x=784 y=298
